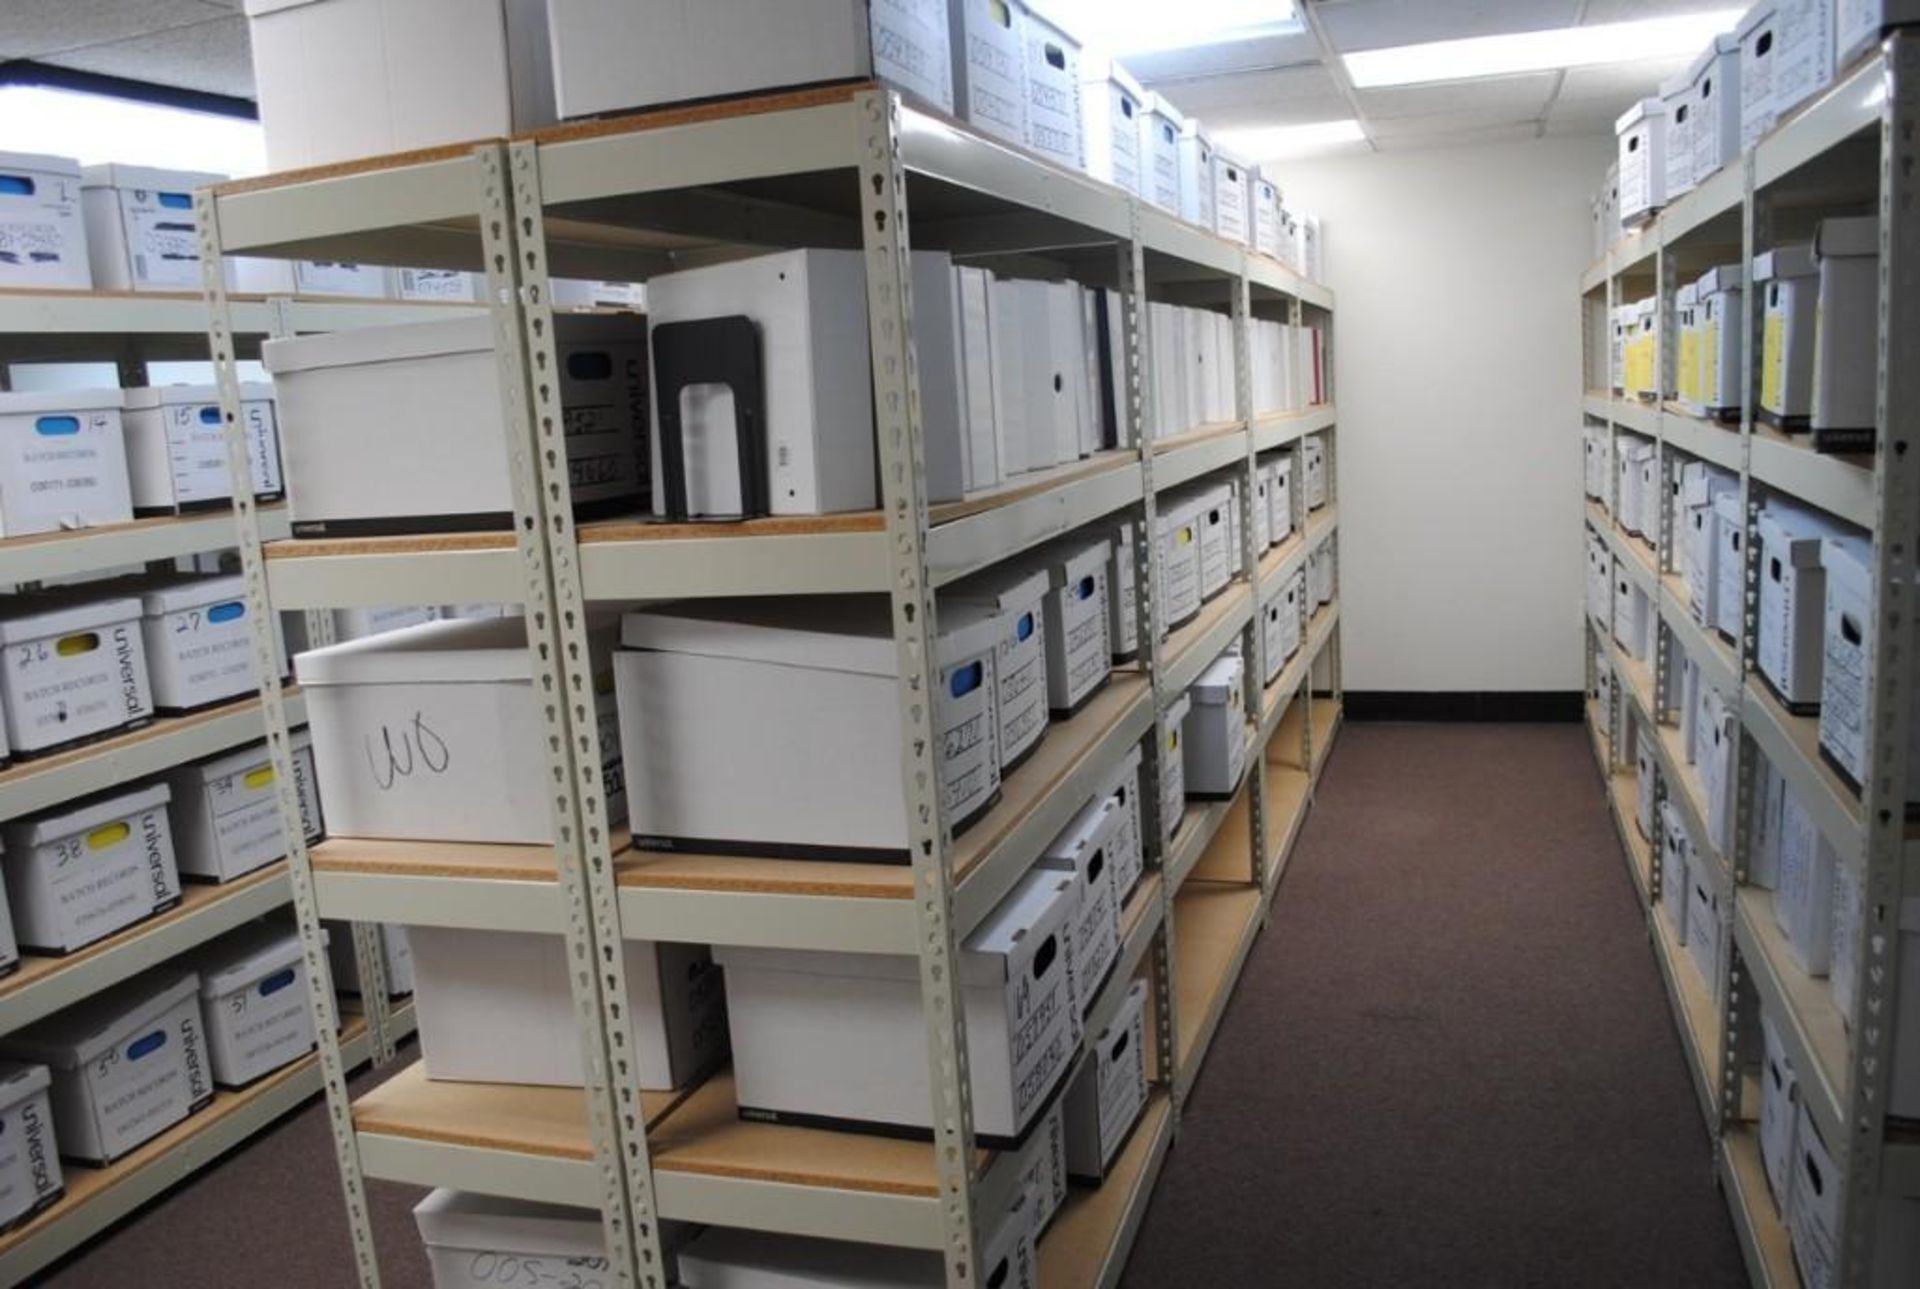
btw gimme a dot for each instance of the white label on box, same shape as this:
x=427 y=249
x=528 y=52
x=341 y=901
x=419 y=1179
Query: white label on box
x=163 y=238
x=325 y=277
x=197 y=450
x=57 y=690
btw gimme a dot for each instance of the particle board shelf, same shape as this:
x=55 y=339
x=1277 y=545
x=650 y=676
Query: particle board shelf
x=1192 y=647
x=1277 y=429
x=1320 y=627
x=1802 y=1008
x=1697 y=436
x=43 y=985
x=1228 y=855
x=1598 y=404
x=1278 y=699
x=1623 y=794
x=1213 y=929
x=41 y=556
x=1848 y=108
x=1327 y=714
x=1709 y=211
x=165 y=742
x=1280 y=562
x=1320 y=525
x=1640 y=416
x=1289 y=793
x=1841 y=484
x=1140 y=920
x=1764 y=1241
x=417 y=568
x=98 y=1197
x=1595 y=276
x=1792 y=746
x=1718 y=664
x=1199 y=451
x=1088 y=1242
x=1599 y=519
x=1695 y=1015
x=1194 y=839
x=1672 y=752
x=1639 y=678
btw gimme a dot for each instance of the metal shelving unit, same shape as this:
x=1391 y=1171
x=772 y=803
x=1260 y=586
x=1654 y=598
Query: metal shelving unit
x=843 y=166
x=1853 y=141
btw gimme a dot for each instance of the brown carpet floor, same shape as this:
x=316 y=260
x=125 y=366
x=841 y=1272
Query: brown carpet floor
x=1450 y=1063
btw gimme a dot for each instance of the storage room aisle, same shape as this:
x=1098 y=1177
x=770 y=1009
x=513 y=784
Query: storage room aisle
x=1450 y=1060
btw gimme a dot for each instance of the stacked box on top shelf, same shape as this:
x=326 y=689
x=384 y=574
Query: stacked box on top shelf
x=1114 y=108
x=74 y=669
x=226 y=811
x=1714 y=100
x=1677 y=124
x=1196 y=171
x=1759 y=36
x=177 y=451
x=1642 y=136
x=60 y=906
x=63 y=461
x=1162 y=176
x=43 y=234
x=1053 y=90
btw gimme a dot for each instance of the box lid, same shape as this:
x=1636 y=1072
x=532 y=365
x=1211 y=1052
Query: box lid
x=729 y=1257
x=1096 y=70
x=1849 y=560
x=51 y=613
x=71 y=1038
x=1726 y=505
x=189 y=395
x=1753 y=19
x=849 y=633
x=1797 y=533
x=40 y=163
x=397 y=342
x=451 y=1219
x=1721 y=277
x=1641 y=111
x=1073 y=558
x=1858 y=236
x=171 y=593
x=59 y=400
x=243 y=956
x=1688 y=295
x=1785 y=262
x=1086 y=833
x=85 y=814
x=1216 y=684
x=18 y=1079
x=448 y=651
x=1157 y=105
x=1006 y=588
x=118 y=174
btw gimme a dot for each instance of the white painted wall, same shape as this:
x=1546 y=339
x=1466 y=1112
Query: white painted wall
x=1457 y=369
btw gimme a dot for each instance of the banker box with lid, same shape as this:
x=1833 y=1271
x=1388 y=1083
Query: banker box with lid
x=1266 y=216
x=1079 y=653
x=1280 y=625
x=142 y=234
x=1053 y=89
x=1122 y=786
x=493 y=1007
x=1804 y=59
x=177 y=449
x=30 y=1177
x=338 y=80
x=254 y=1000
x=1161 y=178
x=1018 y=603
x=1858 y=24
x=613 y=57
x=127 y=1064
x=1173 y=767
x=1722 y=325
x=1084 y=850
x=1179 y=563
x=1123 y=626
x=1715 y=77
x=840 y=1038
x=1196 y=173
x=989 y=43
x=1112 y=103
x=723 y=1257
x=63 y=461
x=702 y=684
x=434 y=732
x=1758 y=35
x=1789 y=281
x=1846 y=327
x=226 y=811
x=1643 y=158
x=1230 y=198
x=1792 y=613
x=399 y=428
x=477 y=1241
x=1110 y=1092
x=1846 y=676
x=1677 y=125
x=43 y=237
x=199 y=639
x=72 y=670
x=87 y=869
x=1215 y=747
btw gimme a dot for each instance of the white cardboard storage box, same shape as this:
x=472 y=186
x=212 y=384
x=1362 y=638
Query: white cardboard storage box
x=226 y=811
x=431 y=460
x=1313 y=458
x=840 y=1038
x=1124 y=851
x=142 y=234
x=442 y=286
x=1266 y=217
x=1729 y=566
x=199 y=639
x=63 y=461
x=1812 y=1210
x=1857 y=25
x=127 y=1064
x=1803 y=902
x=396 y=956
x=434 y=733
x=1162 y=180
x=1219 y=559
x=1215 y=746
x=1179 y=562
x=84 y=870
x=1703 y=921
x=1793 y=603
x=254 y=1001
x=1107 y=1097
x=1779 y=1088
x=30 y=1176
x=1113 y=105
x=1701 y=485
x=1641 y=133
x=1084 y=850
x=723 y=1257
x=613 y=57
x=1758 y=35
x=473 y=1240
x=821 y=672
x=1846 y=676
x=1279 y=641
x=1789 y=282
x=1123 y=628
x=1280 y=497
x=472 y=987
x=43 y=236
x=72 y=671
x=1018 y=603
x=1644 y=769
x=1079 y=649
x=1805 y=55
x=988 y=39
x=1722 y=340
x=1675 y=850
x=1196 y=171
x=338 y=80
x=177 y=450
x=1232 y=197
x=1846 y=328
x=1686 y=316
x=1677 y=102
x=1173 y=772
x=1715 y=77
x=1053 y=90
x=1041 y=1167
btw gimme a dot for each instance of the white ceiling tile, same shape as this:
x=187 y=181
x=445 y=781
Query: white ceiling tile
x=1379 y=24
x=36 y=28
x=1602 y=11
x=210 y=56
x=1294 y=96
x=1576 y=126
x=1443 y=123
x=1260 y=54
x=1612 y=89
x=1463 y=138
x=1519 y=97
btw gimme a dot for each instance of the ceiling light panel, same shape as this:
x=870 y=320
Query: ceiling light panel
x=1532 y=51
x=1134 y=26
x=1379 y=24
x=1277 y=143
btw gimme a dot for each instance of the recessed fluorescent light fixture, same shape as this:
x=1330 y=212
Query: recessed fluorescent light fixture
x=1539 y=51
x=1277 y=142
x=1149 y=26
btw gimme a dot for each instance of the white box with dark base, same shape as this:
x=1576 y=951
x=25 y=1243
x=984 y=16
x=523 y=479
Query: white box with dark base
x=1079 y=651
x=1216 y=730
x=84 y=870
x=725 y=1257
x=177 y=448
x=1017 y=602
x=226 y=811
x=1107 y=1097
x=1085 y=850
x=255 y=1002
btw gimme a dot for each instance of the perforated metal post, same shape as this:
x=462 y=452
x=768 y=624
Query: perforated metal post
x=1254 y=672
x=266 y=664
x=1131 y=266
x=896 y=390
x=513 y=236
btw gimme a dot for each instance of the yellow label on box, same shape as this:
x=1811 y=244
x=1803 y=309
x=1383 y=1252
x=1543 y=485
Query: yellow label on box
x=1690 y=365
x=1773 y=360
x=1710 y=364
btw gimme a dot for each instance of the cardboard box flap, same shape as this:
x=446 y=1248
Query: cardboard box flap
x=451 y=1219
x=1847 y=237
x=1785 y=262
x=37 y=617
x=727 y=1257
x=397 y=342
x=39 y=163
x=118 y=174
x=449 y=651
x=18 y=1079
x=1216 y=685
x=150 y=396
x=849 y=633
x=1688 y=295
x=85 y=1031
x=1721 y=277
x=85 y=815
x=71 y=401
x=1086 y=833
x=170 y=594
x=1004 y=587
x=243 y=957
